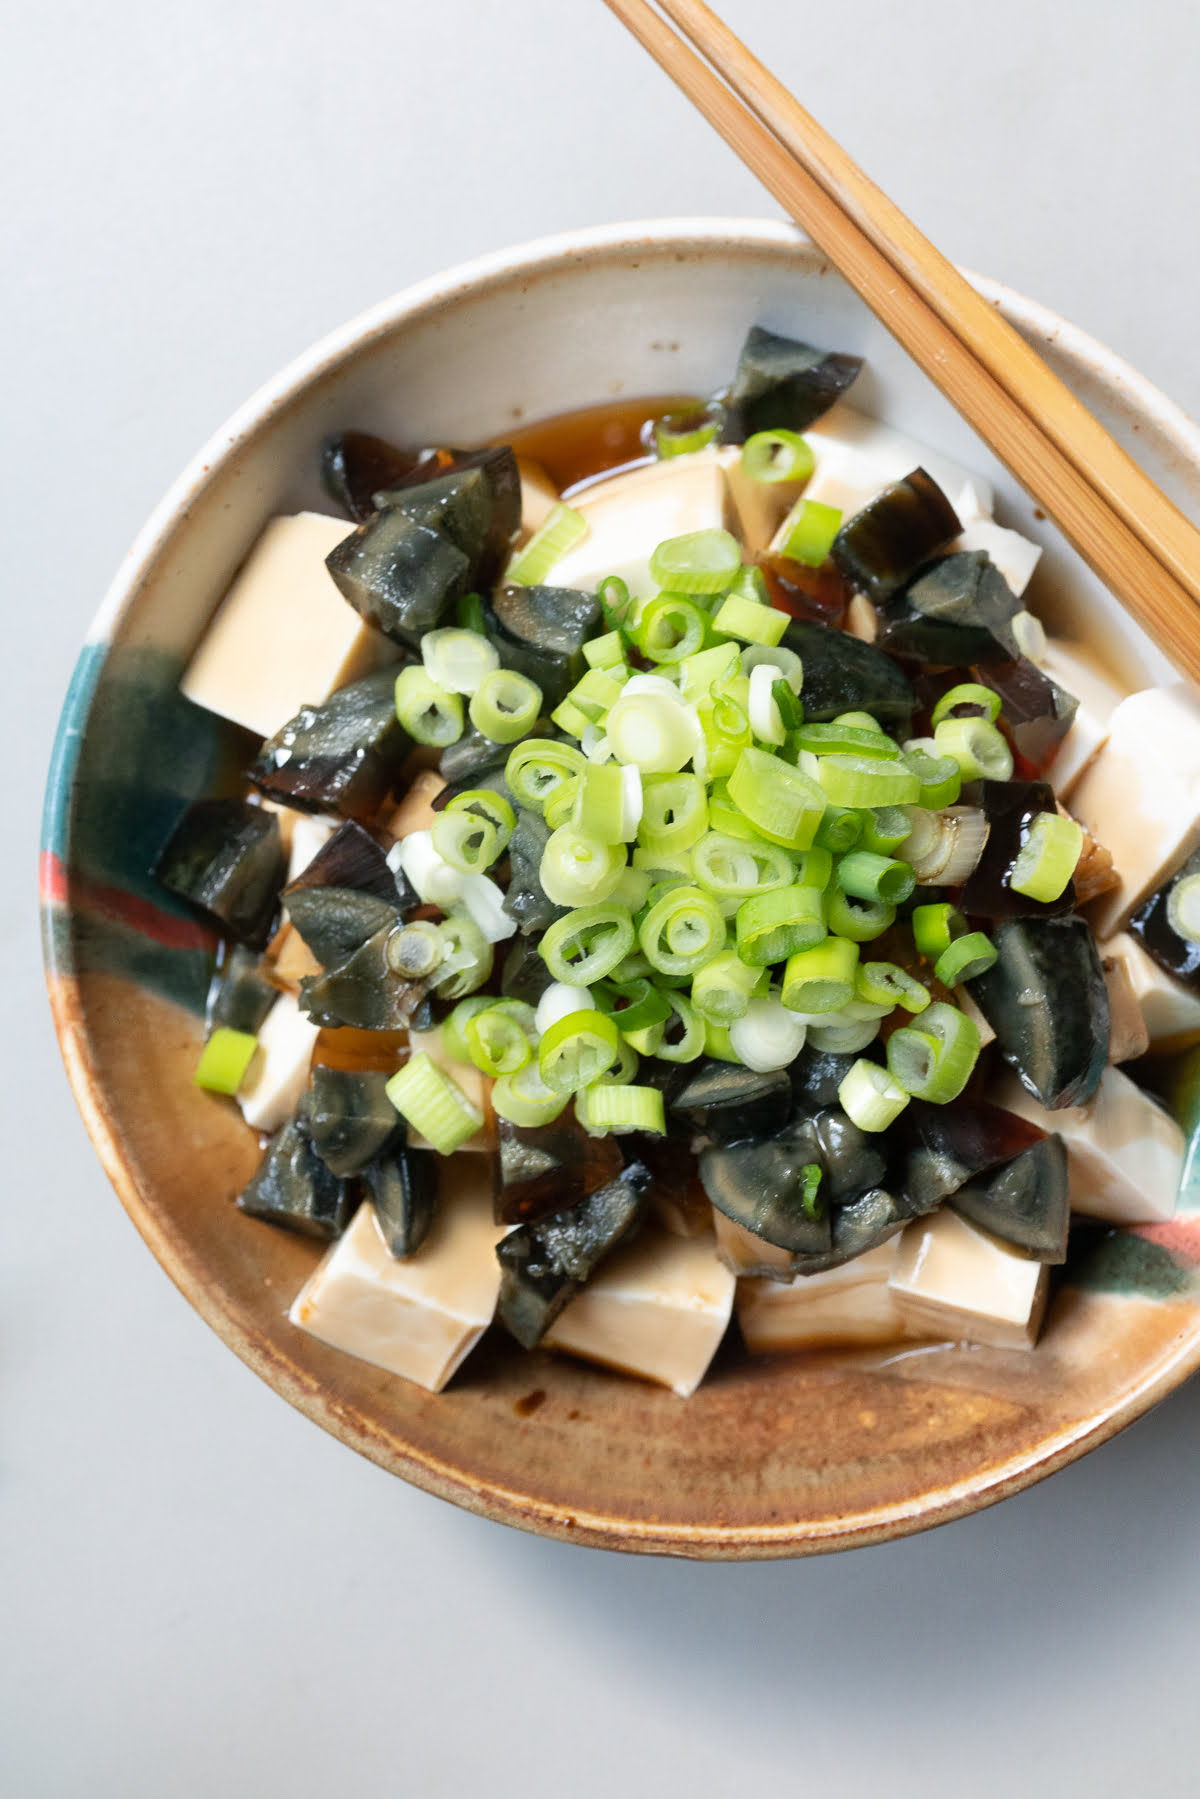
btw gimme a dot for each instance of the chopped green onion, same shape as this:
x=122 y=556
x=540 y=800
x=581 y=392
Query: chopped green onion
x=674 y=812
x=653 y=730
x=1047 y=857
x=750 y=620
x=699 y=562
x=669 y=628
x=689 y=1043
x=433 y=1104
x=933 y=1061
x=967 y=693
x=859 y=921
x=577 y=1050
x=821 y=979
x=568 y=717
x=415 y=950
x=489 y=805
x=428 y=712
x=466 y=841
x=766 y=716
x=814 y=868
x=468 y=612
x=867 y=781
x=772 y=926
x=841 y=739
x=604 y=1107
x=458 y=659
x=506 y=706
x=840 y=829
x=944 y=847
x=785 y=662
x=725 y=818
x=934 y=928
x=683 y=433
x=578 y=871
x=861 y=721
x=707 y=668
x=615 y=601
x=717 y=1042
x=606 y=652
x=467 y=957
x=538 y=768
x=884 y=829
x=224 y=1060
x=768 y=1036
x=751 y=584
x=966 y=958
x=870 y=1097
x=641 y=1004
x=976 y=746
x=777 y=456
x=559 y=808
x=867 y=876
x=940 y=777
x=843 y=1036
x=672 y=866
x=780 y=802
x=496 y=1043
x=737 y=868
x=1029 y=634
x=1183 y=912
x=682 y=931
x=608 y=803
x=561 y=530
x=884 y=984
x=524 y=1098
x=724 y=987
x=587 y=944
x=808 y=531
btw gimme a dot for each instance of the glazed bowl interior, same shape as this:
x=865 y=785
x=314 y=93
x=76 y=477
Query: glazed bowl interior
x=778 y=1456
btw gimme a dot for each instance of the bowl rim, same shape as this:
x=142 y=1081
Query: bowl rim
x=932 y=1506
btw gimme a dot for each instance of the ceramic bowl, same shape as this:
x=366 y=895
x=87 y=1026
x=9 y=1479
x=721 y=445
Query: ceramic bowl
x=772 y=1457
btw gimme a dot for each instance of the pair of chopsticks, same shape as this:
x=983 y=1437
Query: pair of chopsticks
x=1124 y=527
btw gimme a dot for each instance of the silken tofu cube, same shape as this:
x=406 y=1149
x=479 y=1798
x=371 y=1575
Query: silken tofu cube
x=279 y=1071
x=1170 y=1010
x=657 y=1309
x=1077 y=671
x=1140 y=797
x=630 y=515
x=851 y=1305
x=1124 y=1153
x=422 y=1316
x=953 y=1281
x=857 y=457
x=283 y=636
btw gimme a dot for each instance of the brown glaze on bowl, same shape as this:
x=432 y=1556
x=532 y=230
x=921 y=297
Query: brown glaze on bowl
x=771 y=1457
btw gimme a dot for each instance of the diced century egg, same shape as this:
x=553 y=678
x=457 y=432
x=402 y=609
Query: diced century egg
x=857 y=457
x=951 y=1280
x=1074 y=667
x=422 y=1316
x=657 y=1309
x=1141 y=796
x=629 y=515
x=283 y=636
x=850 y=1305
x=1171 y=1011
x=269 y=1094
x=1124 y=1152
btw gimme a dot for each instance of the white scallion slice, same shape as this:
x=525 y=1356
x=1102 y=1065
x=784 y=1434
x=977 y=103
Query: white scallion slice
x=768 y=1036
x=458 y=660
x=766 y=722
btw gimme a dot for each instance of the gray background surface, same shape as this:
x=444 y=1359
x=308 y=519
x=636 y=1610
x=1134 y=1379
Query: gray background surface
x=200 y=1593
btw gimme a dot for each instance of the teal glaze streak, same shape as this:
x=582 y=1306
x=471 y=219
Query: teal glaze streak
x=68 y=738
x=1130 y=1265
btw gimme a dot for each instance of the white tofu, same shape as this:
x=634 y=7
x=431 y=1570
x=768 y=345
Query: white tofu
x=965 y=1002
x=657 y=1309
x=862 y=620
x=1015 y=556
x=283 y=636
x=1141 y=796
x=1124 y=1153
x=1074 y=667
x=629 y=515
x=951 y=1280
x=309 y=834
x=1128 y=1036
x=422 y=1316
x=857 y=458
x=539 y=497
x=848 y=1305
x=746 y=1253
x=279 y=1071
x=1171 y=1010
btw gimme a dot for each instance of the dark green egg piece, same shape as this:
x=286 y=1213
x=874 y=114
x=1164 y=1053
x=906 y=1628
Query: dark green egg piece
x=1046 y=1000
x=354 y=465
x=294 y=1188
x=761 y=1185
x=342 y=756
x=843 y=674
x=399 y=575
x=726 y=1101
x=544 y=1264
x=336 y=921
x=781 y=382
x=1026 y=1202
x=880 y=548
x=364 y=991
x=351 y=1120
x=239 y=998
x=402 y=1185
x=226 y=857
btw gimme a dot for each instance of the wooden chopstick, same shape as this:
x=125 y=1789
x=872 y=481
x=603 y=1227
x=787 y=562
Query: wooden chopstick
x=1144 y=549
